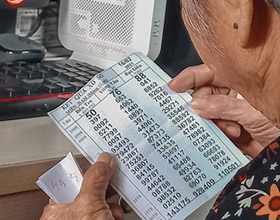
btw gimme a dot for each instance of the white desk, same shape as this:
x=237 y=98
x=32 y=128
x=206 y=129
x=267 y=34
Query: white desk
x=28 y=147
x=32 y=139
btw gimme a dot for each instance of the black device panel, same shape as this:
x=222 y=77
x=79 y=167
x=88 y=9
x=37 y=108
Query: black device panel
x=8 y=20
x=177 y=50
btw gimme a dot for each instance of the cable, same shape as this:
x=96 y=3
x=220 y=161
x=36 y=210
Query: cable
x=40 y=17
x=37 y=23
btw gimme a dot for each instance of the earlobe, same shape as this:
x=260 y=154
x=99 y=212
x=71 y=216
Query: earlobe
x=245 y=22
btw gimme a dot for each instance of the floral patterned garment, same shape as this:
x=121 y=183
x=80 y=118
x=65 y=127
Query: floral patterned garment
x=254 y=192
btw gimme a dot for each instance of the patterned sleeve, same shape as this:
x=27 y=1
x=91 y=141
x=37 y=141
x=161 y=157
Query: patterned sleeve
x=254 y=192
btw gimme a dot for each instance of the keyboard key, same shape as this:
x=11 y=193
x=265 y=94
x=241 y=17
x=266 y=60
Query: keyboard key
x=73 y=64
x=60 y=65
x=89 y=77
x=95 y=68
x=52 y=89
x=46 y=73
x=37 y=89
x=66 y=87
x=57 y=79
x=13 y=91
x=18 y=80
x=82 y=79
x=58 y=71
x=78 y=85
x=51 y=81
x=70 y=74
x=19 y=75
x=21 y=63
x=92 y=72
x=6 y=78
x=35 y=75
x=85 y=64
x=33 y=81
x=2 y=70
x=83 y=73
x=84 y=69
x=19 y=68
x=32 y=67
x=72 y=69
x=47 y=67
x=7 y=69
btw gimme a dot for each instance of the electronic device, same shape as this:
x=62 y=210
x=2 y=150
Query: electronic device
x=9 y=12
x=33 y=89
x=102 y=32
x=177 y=51
x=100 y=48
x=8 y=4
x=16 y=48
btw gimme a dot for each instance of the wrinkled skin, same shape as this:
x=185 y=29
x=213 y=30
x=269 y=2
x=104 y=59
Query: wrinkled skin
x=248 y=58
x=247 y=62
x=246 y=127
x=92 y=201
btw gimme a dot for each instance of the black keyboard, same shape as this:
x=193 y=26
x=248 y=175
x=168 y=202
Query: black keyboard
x=33 y=89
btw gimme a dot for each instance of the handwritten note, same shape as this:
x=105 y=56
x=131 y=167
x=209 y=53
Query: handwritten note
x=62 y=183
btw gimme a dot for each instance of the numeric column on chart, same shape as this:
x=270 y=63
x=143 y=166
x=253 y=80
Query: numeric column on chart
x=85 y=143
x=138 y=201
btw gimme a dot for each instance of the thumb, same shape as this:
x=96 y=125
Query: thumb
x=97 y=177
x=191 y=77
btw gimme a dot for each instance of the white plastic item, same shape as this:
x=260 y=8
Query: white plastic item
x=102 y=32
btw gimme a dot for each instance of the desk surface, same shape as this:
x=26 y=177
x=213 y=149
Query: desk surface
x=32 y=139
x=37 y=139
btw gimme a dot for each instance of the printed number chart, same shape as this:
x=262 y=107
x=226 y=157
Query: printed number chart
x=170 y=161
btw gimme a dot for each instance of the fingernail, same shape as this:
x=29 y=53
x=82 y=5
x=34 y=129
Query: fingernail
x=234 y=133
x=171 y=82
x=194 y=103
x=108 y=159
x=197 y=103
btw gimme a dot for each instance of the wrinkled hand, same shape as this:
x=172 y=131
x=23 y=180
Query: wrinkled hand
x=245 y=126
x=91 y=202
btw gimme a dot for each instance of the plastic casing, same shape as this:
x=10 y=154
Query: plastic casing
x=102 y=32
x=27 y=3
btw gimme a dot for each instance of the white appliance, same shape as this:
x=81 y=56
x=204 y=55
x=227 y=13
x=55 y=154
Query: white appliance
x=9 y=4
x=102 y=32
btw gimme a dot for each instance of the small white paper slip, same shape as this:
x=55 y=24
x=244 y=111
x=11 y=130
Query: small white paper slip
x=169 y=160
x=62 y=182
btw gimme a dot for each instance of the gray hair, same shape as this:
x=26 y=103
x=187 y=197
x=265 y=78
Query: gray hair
x=194 y=14
x=275 y=4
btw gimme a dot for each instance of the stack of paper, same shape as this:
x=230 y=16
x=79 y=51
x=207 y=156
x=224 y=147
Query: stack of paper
x=62 y=183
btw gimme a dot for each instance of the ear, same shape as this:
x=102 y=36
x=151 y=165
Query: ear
x=246 y=8
x=242 y=14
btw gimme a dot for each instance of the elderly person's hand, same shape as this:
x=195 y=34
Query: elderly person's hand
x=91 y=202
x=245 y=126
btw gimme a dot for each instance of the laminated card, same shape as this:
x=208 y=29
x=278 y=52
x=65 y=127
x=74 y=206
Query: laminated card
x=170 y=161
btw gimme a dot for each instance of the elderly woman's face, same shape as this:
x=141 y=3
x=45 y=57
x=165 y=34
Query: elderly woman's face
x=236 y=50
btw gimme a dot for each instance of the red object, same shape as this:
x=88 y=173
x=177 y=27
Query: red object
x=15 y=2
x=59 y=95
x=242 y=178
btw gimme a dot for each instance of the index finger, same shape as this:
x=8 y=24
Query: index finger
x=194 y=77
